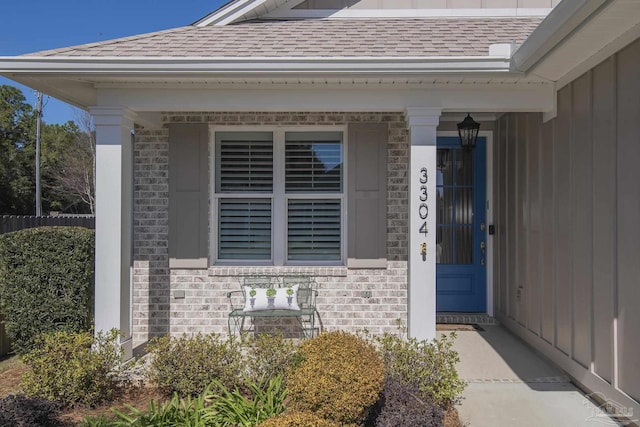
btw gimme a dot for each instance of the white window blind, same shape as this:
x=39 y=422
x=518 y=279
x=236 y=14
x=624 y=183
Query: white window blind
x=279 y=196
x=313 y=162
x=314 y=230
x=244 y=162
x=244 y=229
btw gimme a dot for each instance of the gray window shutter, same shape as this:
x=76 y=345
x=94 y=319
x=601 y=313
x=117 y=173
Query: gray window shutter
x=188 y=195
x=367 y=206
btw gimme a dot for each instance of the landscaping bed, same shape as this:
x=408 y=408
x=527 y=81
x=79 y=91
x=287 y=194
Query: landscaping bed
x=338 y=378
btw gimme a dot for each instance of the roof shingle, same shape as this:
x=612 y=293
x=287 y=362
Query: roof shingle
x=417 y=37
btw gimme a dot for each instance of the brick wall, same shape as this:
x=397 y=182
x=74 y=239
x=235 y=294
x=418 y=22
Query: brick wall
x=349 y=299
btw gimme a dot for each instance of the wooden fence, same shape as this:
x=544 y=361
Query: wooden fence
x=9 y=223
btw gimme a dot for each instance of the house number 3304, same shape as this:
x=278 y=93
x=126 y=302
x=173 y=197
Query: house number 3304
x=423 y=209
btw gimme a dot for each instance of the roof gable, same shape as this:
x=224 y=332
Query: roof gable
x=245 y=10
x=242 y=10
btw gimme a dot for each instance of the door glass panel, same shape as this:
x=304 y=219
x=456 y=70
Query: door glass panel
x=455 y=193
x=444 y=245
x=464 y=206
x=444 y=205
x=445 y=171
x=464 y=244
x=464 y=167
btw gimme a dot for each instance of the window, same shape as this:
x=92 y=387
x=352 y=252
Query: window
x=279 y=197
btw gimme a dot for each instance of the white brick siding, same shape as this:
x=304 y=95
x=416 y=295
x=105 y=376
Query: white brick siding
x=343 y=301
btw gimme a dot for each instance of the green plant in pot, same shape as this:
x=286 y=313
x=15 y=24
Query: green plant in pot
x=289 y=295
x=271 y=297
x=252 y=297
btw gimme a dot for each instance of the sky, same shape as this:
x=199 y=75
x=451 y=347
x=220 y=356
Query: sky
x=33 y=25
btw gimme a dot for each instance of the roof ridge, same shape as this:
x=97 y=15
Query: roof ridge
x=50 y=52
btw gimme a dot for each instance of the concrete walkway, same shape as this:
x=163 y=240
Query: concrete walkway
x=510 y=385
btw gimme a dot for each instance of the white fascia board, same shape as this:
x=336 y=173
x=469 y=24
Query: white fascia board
x=229 y=13
x=172 y=66
x=563 y=20
x=460 y=98
x=601 y=55
x=405 y=13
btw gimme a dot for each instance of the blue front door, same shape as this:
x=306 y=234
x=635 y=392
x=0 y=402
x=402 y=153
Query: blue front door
x=461 y=279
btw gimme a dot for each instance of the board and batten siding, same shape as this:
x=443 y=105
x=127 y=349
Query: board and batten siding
x=568 y=206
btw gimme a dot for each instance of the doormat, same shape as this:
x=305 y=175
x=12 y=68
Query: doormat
x=458 y=327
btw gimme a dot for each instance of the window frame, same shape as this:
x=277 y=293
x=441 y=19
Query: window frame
x=279 y=198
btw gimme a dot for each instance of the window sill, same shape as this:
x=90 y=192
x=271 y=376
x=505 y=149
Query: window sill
x=188 y=264
x=318 y=271
x=367 y=264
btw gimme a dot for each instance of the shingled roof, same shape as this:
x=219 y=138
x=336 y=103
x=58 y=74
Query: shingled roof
x=418 y=37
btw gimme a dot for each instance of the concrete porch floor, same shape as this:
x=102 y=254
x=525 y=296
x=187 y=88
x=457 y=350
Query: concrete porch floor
x=509 y=384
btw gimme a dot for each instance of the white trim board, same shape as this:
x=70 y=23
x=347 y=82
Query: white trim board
x=211 y=66
x=511 y=98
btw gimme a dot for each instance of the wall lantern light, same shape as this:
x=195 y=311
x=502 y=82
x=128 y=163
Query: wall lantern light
x=468 y=132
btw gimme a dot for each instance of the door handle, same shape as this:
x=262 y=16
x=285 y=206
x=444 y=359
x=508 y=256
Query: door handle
x=483 y=248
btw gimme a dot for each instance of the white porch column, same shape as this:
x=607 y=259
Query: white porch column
x=114 y=221
x=423 y=123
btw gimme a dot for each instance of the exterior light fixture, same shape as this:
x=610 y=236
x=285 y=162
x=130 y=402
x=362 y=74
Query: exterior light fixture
x=468 y=132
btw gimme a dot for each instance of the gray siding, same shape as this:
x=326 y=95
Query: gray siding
x=568 y=210
x=604 y=211
x=628 y=216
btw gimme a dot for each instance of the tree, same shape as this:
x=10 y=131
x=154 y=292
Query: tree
x=73 y=176
x=17 y=123
x=67 y=160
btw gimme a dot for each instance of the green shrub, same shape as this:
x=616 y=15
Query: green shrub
x=232 y=408
x=298 y=419
x=339 y=378
x=176 y=412
x=429 y=366
x=401 y=405
x=46 y=282
x=187 y=365
x=217 y=406
x=74 y=368
x=267 y=356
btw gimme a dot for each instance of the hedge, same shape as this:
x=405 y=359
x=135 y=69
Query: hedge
x=46 y=282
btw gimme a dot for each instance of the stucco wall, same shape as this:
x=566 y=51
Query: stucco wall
x=568 y=198
x=342 y=301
